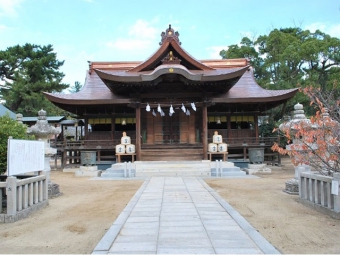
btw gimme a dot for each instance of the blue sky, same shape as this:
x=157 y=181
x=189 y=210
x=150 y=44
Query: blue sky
x=111 y=30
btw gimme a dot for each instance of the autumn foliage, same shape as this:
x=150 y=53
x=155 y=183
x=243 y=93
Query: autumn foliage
x=313 y=141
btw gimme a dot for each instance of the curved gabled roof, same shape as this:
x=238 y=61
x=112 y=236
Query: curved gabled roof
x=170 y=43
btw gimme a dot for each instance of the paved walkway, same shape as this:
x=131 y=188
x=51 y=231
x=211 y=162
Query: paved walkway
x=181 y=215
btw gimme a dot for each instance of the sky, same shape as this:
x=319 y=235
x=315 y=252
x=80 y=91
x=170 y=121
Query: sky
x=129 y=30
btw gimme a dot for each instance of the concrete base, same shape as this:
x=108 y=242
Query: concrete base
x=258 y=168
x=225 y=168
x=89 y=171
x=70 y=170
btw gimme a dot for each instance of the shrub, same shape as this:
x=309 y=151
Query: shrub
x=9 y=127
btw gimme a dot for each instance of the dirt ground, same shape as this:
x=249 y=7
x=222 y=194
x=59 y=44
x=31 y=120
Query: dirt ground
x=76 y=221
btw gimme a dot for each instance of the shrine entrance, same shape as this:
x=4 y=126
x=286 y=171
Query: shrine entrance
x=171 y=129
x=178 y=129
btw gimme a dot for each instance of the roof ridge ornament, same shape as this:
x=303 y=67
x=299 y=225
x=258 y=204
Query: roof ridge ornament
x=171 y=34
x=171 y=59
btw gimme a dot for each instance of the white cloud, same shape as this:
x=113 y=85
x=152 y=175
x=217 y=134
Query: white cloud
x=75 y=65
x=333 y=30
x=214 y=51
x=127 y=44
x=3 y=28
x=141 y=37
x=143 y=30
x=9 y=7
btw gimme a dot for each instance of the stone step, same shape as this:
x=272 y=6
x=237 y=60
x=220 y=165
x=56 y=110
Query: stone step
x=202 y=168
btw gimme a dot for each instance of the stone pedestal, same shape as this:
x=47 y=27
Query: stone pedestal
x=53 y=190
x=292 y=187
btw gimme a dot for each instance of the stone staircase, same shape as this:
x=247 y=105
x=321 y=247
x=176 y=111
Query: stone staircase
x=144 y=169
x=172 y=153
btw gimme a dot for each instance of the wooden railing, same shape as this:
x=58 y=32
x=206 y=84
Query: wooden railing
x=240 y=141
x=85 y=144
x=24 y=196
x=70 y=151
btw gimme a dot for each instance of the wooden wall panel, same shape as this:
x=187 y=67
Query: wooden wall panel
x=192 y=129
x=183 y=119
x=158 y=129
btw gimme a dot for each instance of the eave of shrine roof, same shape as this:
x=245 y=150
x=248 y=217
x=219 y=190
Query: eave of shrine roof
x=93 y=92
x=192 y=75
x=246 y=90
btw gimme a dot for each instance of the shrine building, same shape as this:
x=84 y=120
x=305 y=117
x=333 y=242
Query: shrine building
x=171 y=104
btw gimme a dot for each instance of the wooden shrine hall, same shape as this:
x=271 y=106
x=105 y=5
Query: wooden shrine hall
x=170 y=104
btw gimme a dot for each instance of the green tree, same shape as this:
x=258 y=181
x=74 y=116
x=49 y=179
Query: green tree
x=246 y=50
x=27 y=71
x=76 y=87
x=289 y=58
x=9 y=127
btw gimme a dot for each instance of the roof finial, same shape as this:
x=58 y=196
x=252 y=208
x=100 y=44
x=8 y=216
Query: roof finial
x=170 y=34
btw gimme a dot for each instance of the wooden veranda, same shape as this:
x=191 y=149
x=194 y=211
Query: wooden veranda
x=69 y=152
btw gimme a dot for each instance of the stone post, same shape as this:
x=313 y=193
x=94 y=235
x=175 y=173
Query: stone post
x=336 y=178
x=11 y=190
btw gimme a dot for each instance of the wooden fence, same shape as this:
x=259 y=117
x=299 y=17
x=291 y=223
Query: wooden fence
x=24 y=196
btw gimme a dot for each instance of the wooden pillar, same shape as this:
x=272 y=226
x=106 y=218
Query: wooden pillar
x=256 y=125
x=205 y=131
x=228 y=126
x=113 y=130
x=86 y=128
x=138 y=132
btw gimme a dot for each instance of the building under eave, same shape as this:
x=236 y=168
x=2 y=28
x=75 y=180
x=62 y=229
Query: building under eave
x=171 y=103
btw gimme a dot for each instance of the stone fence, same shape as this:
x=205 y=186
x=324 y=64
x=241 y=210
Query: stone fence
x=24 y=196
x=316 y=190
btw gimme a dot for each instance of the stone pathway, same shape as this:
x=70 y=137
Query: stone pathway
x=181 y=215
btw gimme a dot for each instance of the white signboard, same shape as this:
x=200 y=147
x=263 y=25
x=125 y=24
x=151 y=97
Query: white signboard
x=24 y=156
x=335 y=188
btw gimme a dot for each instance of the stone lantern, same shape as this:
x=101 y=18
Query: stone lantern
x=292 y=186
x=43 y=131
